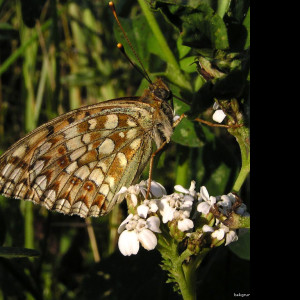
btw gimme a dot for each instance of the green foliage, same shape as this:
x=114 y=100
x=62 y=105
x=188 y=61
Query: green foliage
x=242 y=248
x=13 y=252
x=56 y=56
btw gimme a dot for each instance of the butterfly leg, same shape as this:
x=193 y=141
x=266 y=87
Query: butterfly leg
x=151 y=167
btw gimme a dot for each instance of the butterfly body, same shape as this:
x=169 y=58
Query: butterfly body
x=76 y=163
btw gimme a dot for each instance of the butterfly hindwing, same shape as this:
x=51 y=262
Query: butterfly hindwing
x=77 y=162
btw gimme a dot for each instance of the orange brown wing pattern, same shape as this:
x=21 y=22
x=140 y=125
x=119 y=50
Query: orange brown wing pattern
x=76 y=163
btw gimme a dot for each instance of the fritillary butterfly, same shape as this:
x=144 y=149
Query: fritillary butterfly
x=76 y=163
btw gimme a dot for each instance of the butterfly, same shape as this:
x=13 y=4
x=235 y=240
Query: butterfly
x=76 y=163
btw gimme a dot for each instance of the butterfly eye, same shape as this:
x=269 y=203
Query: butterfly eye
x=162 y=94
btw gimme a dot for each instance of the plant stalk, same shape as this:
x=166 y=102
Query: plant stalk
x=181 y=267
x=242 y=137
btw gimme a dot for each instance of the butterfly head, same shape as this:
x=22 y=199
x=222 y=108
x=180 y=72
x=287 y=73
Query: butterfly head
x=160 y=90
x=158 y=96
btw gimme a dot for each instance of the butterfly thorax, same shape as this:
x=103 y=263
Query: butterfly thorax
x=157 y=95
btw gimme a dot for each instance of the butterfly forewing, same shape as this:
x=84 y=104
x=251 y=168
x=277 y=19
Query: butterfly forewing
x=76 y=163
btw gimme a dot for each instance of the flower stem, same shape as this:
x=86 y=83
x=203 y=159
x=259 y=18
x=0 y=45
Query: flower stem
x=190 y=273
x=179 y=270
x=242 y=137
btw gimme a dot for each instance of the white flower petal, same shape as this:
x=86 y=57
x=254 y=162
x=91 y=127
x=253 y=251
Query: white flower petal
x=224 y=228
x=226 y=202
x=207 y=228
x=213 y=200
x=167 y=213
x=203 y=207
x=219 y=116
x=231 y=197
x=180 y=189
x=231 y=236
x=123 y=224
x=153 y=207
x=120 y=194
x=153 y=224
x=185 y=224
x=133 y=199
x=204 y=193
x=215 y=106
x=161 y=204
x=188 y=205
x=148 y=239
x=186 y=213
x=128 y=243
x=192 y=186
x=218 y=234
x=123 y=190
x=157 y=190
x=188 y=199
x=142 y=210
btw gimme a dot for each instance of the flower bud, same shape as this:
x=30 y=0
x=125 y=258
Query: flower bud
x=177 y=234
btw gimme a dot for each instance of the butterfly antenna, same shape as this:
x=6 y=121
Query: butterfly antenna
x=145 y=75
x=182 y=100
x=143 y=72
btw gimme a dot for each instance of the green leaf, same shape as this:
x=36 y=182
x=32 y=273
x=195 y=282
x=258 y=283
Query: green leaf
x=246 y=23
x=200 y=26
x=242 y=247
x=182 y=49
x=16 y=252
x=187 y=64
x=204 y=29
x=186 y=132
x=219 y=179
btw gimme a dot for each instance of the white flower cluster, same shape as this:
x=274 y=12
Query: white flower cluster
x=140 y=228
x=136 y=229
x=178 y=206
x=156 y=190
x=224 y=204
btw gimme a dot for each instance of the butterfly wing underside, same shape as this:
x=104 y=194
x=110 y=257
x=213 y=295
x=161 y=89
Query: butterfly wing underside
x=76 y=163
